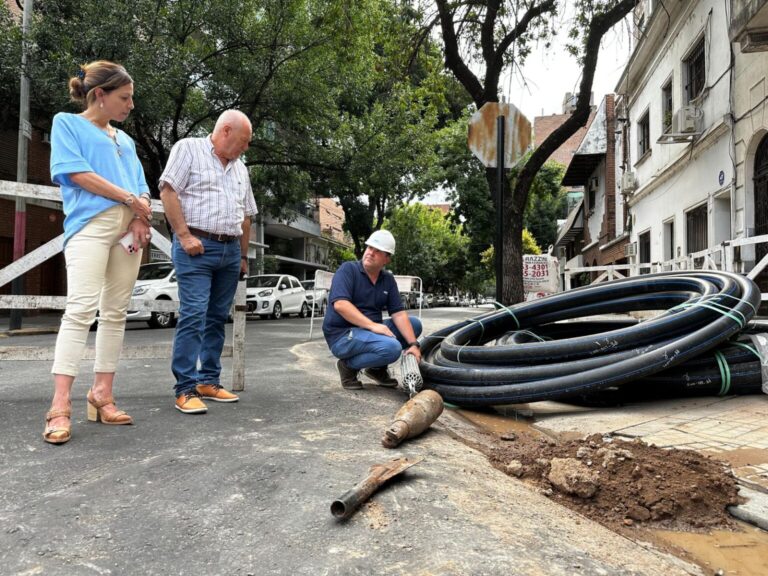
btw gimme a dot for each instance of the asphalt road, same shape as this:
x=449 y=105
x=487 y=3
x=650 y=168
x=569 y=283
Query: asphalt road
x=246 y=488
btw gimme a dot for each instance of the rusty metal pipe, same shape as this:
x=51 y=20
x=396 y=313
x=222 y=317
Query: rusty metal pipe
x=378 y=474
x=413 y=418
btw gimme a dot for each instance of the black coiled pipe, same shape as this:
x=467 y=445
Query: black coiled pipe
x=478 y=363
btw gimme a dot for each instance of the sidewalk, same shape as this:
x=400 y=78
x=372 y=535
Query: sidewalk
x=246 y=488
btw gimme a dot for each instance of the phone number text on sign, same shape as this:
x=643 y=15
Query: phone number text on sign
x=540 y=273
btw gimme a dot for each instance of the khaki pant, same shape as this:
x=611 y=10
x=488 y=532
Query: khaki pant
x=100 y=276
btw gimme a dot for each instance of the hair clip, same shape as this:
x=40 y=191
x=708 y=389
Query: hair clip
x=81 y=74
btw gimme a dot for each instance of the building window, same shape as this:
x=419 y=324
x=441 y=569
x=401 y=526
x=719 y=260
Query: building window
x=666 y=107
x=644 y=251
x=669 y=240
x=695 y=71
x=696 y=229
x=643 y=135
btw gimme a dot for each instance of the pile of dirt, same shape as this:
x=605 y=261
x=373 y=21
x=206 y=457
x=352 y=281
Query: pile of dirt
x=619 y=483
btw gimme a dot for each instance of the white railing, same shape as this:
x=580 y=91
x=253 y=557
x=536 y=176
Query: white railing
x=725 y=256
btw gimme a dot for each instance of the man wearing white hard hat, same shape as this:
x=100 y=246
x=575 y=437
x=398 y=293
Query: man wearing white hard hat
x=354 y=327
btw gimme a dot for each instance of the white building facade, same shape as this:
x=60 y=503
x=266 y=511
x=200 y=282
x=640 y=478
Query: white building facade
x=675 y=158
x=749 y=34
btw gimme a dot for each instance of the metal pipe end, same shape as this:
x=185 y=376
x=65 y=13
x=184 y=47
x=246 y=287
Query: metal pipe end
x=339 y=509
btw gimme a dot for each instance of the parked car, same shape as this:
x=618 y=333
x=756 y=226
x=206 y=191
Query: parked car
x=156 y=281
x=276 y=295
x=317 y=298
x=441 y=300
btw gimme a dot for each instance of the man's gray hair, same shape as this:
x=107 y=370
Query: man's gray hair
x=233 y=119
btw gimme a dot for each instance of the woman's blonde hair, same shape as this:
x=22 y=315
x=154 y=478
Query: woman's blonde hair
x=99 y=74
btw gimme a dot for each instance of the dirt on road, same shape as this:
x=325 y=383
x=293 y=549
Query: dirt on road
x=620 y=483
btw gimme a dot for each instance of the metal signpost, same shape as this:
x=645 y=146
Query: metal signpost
x=498 y=136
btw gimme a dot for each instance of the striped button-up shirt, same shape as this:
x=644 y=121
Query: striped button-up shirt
x=213 y=197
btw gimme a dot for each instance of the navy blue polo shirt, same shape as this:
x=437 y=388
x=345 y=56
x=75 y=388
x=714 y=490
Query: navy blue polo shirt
x=350 y=282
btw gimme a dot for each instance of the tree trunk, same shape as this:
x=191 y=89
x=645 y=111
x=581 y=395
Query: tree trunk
x=512 y=240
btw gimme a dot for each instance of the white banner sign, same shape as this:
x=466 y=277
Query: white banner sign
x=540 y=273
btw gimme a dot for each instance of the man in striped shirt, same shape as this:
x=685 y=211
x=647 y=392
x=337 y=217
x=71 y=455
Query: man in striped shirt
x=208 y=200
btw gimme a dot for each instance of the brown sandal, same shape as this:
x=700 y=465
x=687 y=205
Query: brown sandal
x=96 y=415
x=58 y=434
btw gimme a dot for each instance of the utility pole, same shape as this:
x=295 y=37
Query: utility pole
x=25 y=134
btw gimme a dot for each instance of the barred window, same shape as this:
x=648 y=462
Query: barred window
x=666 y=107
x=695 y=71
x=643 y=135
x=696 y=229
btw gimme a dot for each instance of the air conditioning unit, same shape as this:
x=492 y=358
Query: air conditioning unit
x=630 y=249
x=562 y=252
x=628 y=182
x=755 y=41
x=685 y=119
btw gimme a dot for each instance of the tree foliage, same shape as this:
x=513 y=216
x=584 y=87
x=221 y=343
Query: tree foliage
x=10 y=68
x=429 y=245
x=282 y=62
x=383 y=142
x=547 y=202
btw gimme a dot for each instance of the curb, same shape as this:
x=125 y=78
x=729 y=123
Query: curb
x=28 y=332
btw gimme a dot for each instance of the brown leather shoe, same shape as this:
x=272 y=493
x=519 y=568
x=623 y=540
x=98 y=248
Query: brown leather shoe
x=381 y=376
x=190 y=403
x=216 y=393
x=349 y=380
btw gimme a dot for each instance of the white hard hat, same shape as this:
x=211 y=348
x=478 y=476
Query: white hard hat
x=382 y=240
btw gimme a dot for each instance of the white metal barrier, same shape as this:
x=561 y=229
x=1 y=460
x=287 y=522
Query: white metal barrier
x=724 y=256
x=53 y=247
x=323 y=281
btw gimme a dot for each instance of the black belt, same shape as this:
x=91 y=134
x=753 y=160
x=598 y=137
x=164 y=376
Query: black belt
x=212 y=236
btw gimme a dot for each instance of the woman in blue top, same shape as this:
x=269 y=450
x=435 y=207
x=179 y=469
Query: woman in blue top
x=105 y=198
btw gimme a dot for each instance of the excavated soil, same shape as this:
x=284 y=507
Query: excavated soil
x=620 y=483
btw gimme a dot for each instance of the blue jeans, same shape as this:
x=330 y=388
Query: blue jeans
x=361 y=348
x=207 y=285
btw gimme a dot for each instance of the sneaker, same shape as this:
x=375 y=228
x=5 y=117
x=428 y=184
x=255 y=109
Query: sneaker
x=190 y=403
x=381 y=376
x=216 y=393
x=349 y=380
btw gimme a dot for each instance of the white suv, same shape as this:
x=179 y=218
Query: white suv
x=156 y=281
x=276 y=295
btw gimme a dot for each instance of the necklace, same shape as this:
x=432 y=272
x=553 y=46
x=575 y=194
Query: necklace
x=110 y=131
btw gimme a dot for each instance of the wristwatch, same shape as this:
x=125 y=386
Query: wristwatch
x=414 y=343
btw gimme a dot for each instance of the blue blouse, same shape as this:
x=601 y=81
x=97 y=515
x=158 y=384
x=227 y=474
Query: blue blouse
x=77 y=145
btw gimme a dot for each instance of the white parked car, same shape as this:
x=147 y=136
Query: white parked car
x=156 y=281
x=276 y=295
x=317 y=298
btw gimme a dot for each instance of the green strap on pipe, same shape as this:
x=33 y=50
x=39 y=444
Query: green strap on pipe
x=725 y=373
x=500 y=305
x=751 y=349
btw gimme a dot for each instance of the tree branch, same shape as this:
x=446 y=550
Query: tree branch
x=599 y=25
x=453 y=59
